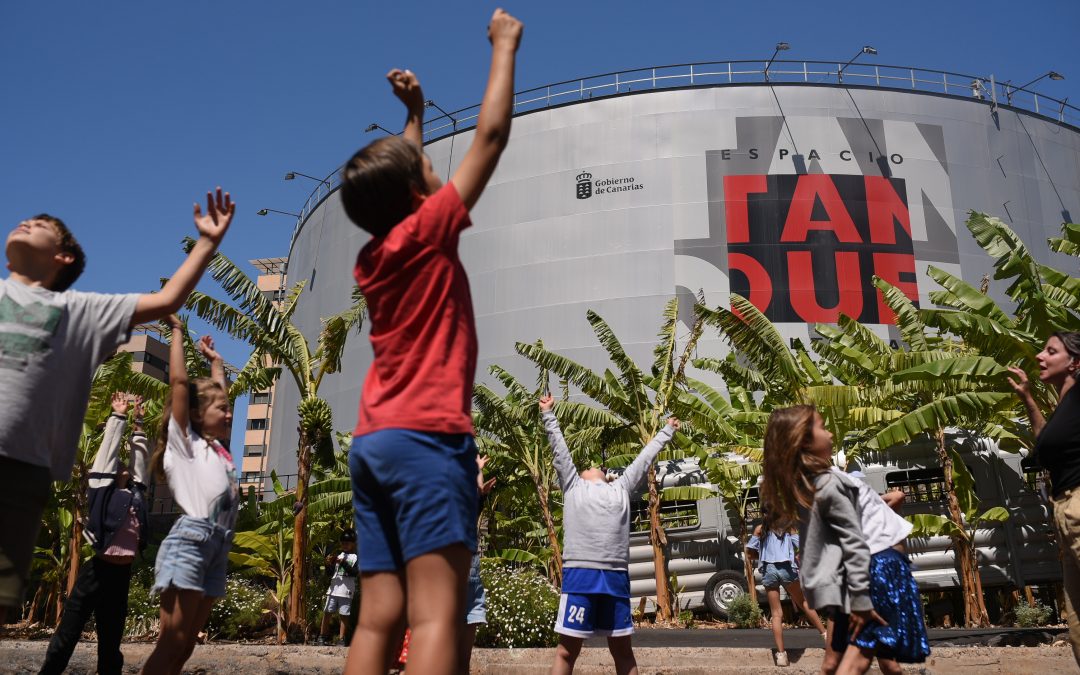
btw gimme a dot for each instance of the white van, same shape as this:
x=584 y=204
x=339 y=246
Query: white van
x=706 y=557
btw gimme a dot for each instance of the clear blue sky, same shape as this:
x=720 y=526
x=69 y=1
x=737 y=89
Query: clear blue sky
x=116 y=115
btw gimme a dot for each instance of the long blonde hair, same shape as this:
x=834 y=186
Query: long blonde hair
x=199 y=390
x=789 y=467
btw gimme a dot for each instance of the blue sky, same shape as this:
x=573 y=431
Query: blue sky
x=117 y=115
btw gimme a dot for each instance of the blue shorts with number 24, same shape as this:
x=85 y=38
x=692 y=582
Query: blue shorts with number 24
x=587 y=615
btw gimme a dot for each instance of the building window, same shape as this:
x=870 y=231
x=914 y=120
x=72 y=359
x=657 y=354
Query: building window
x=673 y=514
x=254 y=450
x=259 y=397
x=250 y=477
x=920 y=486
x=256 y=424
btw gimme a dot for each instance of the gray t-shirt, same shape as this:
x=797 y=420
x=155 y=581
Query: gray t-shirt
x=596 y=514
x=50 y=345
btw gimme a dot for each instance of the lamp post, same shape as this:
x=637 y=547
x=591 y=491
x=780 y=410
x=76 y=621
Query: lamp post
x=293 y=174
x=373 y=126
x=780 y=47
x=263 y=212
x=432 y=104
x=1052 y=74
x=867 y=49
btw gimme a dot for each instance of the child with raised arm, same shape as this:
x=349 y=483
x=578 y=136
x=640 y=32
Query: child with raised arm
x=117 y=529
x=799 y=486
x=190 y=568
x=416 y=537
x=52 y=339
x=596 y=549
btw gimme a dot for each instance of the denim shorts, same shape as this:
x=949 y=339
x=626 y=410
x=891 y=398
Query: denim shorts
x=475 y=597
x=193 y=557
x=775 y=575
x=414 y=492
x=337 y=604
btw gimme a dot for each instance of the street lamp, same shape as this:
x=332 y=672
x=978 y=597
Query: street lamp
x=1053 y=75
x=293 y=174
x=780 y=47
x=867 y=49
x=263 y=212
x=373 y=126
x=432 y=104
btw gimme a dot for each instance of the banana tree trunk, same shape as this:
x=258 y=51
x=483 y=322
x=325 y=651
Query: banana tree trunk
x=553 y=535
x=296 y=609
x=74 y=559
x=975 y=615
x=748 y=565
x=658 y=539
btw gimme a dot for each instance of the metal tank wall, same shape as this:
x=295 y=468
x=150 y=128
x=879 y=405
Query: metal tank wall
x=793 y=195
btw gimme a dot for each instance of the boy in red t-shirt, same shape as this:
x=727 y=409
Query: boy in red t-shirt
x=413 y=459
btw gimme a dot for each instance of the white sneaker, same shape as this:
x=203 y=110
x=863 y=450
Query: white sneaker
x=781 y=659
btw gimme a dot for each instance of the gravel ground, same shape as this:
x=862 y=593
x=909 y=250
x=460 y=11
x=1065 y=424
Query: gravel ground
x=26 y=657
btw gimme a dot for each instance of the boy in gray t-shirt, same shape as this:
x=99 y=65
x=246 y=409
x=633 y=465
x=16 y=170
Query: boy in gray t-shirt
x=52 y=339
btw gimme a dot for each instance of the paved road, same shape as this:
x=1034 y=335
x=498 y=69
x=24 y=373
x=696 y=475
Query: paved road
x=806 y=638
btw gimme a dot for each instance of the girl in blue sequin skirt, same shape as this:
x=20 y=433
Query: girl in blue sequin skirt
x=892 y=589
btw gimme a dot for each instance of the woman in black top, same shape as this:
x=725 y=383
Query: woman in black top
x=1057 y=449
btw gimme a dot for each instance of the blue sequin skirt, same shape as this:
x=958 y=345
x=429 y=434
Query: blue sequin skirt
x=896 y=598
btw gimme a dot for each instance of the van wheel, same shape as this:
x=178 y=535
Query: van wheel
x=721 y=590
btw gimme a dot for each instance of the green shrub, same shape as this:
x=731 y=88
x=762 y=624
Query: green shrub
x=744 y=612
x=1029 y=617
x=521 y=607
x=144 y=609
x=240 y=613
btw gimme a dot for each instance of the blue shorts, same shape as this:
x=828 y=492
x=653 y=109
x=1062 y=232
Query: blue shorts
x=475 y=597
x=414 y=492
x=193 y=557
x=586 y=615
x=775 y=575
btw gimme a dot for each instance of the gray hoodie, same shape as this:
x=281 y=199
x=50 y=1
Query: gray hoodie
x=596 y=515
x=835 y=571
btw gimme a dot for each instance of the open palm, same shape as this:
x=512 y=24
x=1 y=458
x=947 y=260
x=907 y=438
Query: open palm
x=219 y=213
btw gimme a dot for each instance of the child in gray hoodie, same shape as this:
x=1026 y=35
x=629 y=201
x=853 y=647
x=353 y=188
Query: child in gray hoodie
x=596 y=549
x=799 y=486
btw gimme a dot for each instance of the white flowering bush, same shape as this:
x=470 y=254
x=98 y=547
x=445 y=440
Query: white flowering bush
x=521 y=607
x=241 y=612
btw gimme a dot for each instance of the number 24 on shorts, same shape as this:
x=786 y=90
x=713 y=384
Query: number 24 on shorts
x=576 y=614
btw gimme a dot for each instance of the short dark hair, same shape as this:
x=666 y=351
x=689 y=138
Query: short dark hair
x=348 y=535
x=72 y=271
x=378 y=183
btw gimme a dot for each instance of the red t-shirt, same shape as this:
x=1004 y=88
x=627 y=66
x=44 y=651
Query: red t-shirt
x=422 y=327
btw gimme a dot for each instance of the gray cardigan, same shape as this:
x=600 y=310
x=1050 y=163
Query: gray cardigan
x=835 y=569
x=596 y=515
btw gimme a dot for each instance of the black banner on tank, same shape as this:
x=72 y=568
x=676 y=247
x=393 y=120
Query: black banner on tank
x=804 y=248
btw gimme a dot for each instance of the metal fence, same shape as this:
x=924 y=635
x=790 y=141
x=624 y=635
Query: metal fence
x=734 y=73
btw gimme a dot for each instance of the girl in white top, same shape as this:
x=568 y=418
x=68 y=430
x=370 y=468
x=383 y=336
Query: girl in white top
x=190 y=568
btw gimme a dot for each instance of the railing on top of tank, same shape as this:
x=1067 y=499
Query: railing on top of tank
x=715 y=73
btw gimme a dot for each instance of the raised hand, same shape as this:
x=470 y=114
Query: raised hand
x=1020 y=385
x=120 y=403
x=206 y=348
x=137 y=407
x=505 y=30
x=674 y=422
x=406 y=87
x=547 y=402
x=219 y=213
x=174 y=322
